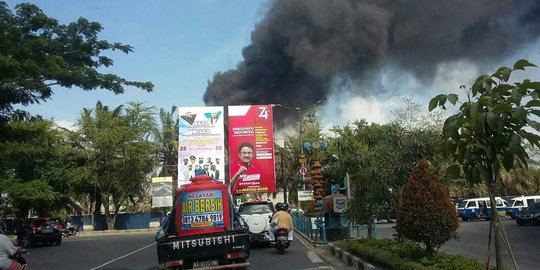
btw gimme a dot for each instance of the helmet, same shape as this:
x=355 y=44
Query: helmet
x=282 y=206
x=3 y=227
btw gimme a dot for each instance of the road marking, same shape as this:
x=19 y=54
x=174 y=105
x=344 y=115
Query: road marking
x=121 y=257
x=314 y=258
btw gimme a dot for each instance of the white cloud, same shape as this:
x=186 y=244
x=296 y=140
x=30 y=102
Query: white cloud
x=451 y=75
x=372 y=109
x=66 y=124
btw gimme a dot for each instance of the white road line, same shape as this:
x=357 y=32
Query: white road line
x=314 y=258
x=121 y=257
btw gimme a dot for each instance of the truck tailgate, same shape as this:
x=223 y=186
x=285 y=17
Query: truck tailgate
x=201 y=246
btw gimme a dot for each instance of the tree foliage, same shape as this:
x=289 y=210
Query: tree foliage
x=380 y=158
x=121 y=156
x=490 y=132
x=167 y=138
x=36 y=52
x=28 y=168
x=366 y=152
x=425 y=213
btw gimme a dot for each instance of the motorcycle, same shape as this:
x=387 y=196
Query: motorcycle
x=282 y=240
x=22 y=236
x=70 y=231
x=19 y=258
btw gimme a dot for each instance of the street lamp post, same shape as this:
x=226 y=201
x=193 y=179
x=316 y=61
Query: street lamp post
x=299 y=109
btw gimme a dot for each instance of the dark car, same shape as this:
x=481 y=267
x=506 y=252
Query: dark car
x=531 y=215
x=42 y=230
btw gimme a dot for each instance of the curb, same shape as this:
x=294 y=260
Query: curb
x=350 y=259
x=346 y=257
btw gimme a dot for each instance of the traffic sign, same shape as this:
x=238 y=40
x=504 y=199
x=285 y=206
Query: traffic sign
x=305 y=195
x=303 y=170
x=302 y=159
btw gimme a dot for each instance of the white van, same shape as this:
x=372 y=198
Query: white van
x=517 y=204
x=475 y=208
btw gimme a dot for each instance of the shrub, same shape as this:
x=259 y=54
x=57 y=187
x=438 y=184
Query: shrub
x=425 y=213
x=407 y=256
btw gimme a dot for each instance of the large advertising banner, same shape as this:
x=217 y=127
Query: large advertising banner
x=251 y=149
x=201 y=149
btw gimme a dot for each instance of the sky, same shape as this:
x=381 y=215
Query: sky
x=361 y=59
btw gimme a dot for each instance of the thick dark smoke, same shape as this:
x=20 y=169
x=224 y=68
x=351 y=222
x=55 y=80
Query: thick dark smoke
x=302 y=46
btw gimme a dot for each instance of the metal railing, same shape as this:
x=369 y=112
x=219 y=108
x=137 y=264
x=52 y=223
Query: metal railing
x=309 y=226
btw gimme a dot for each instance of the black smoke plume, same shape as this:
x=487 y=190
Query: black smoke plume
x=302 y=47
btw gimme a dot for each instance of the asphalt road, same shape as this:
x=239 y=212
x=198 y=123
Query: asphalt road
x=137 y=251
x=472 y=242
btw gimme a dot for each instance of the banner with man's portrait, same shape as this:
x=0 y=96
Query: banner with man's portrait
x=201 y=149
x=251 y=149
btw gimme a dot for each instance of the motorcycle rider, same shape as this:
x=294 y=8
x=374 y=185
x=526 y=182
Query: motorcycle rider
x=7 y=250
x=281 y=219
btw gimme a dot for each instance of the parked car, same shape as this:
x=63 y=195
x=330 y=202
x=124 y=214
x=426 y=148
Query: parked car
x=530 y=215
x=480 y=208
x=42 y=230
x=257 y=215
x=517 y=204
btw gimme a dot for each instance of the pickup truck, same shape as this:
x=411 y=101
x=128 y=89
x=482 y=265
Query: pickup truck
x=203 y=231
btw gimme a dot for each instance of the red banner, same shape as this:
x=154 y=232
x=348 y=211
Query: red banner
x=251 y=149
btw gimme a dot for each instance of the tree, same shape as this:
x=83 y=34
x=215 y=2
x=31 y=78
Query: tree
x=31 y=179
x=489 y=133
x=36 y=52
x=380 y=158
x=425 y=213
x=367 y=152
x=121 y=154
x=167 y=138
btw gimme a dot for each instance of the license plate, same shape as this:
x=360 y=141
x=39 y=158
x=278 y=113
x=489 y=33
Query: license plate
x=204 y=264
x=47 y=231
x=282 y=237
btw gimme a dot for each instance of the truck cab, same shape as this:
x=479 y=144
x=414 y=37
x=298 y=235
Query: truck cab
x=202 y=230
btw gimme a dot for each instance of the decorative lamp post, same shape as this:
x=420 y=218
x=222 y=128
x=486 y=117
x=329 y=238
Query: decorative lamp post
x=302 y=158
x=318 y=183
x=317 y=180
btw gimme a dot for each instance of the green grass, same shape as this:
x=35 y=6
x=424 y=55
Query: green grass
x=406 y=256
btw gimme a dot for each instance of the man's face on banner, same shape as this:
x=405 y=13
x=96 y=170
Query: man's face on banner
x=246 y=154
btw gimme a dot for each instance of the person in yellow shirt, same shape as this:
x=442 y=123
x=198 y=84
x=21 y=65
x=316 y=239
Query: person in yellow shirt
x=281 y=219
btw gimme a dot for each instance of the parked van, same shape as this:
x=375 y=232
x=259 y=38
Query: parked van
x=476 y=208
x=517 y=204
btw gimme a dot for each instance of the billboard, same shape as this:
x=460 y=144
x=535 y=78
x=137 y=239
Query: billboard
x=162 y=191
x=251 y=149
x=201 y=148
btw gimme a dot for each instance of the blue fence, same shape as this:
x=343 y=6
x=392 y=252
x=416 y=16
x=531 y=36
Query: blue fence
x=123 y=221
x=309 y=226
